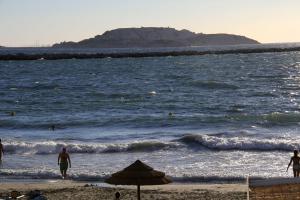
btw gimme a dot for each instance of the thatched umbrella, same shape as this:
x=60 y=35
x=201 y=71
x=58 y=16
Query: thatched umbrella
x=138 y=174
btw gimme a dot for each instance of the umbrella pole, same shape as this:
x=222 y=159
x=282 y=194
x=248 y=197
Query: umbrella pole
x=138 y=192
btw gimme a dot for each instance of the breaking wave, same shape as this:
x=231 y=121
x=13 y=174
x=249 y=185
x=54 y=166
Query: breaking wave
x=55 y=147
x=214 y=142
x=244 y=143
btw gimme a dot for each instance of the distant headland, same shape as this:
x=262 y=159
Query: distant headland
x=151 y=37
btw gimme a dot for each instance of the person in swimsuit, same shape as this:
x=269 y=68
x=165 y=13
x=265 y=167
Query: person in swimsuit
x=296 y=164
x=1 y=151
x=64 y=161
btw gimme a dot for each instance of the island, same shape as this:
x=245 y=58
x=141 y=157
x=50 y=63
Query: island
x=152 y=37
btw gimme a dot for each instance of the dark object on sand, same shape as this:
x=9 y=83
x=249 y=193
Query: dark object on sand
x=117 y=195
x=36 y=195
x=138 y=174
x=33 y=194
x=15 y=194
x=12 y=195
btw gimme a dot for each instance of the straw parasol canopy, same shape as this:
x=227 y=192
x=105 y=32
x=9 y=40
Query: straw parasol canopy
x=138 y=174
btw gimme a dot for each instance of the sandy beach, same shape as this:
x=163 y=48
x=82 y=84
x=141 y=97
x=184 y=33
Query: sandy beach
x=274 y=192
x=73 y=190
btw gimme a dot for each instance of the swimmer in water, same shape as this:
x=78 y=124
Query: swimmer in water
x=1 y=151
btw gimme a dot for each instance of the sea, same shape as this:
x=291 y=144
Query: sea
x=199 y=119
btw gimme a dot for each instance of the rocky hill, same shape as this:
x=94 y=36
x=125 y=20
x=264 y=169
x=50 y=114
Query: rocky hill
x=155 y=37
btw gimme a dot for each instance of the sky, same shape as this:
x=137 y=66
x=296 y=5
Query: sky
x=45 y=22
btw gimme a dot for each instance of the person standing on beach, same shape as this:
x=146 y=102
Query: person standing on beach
x=296 y=164
x=64 y=161
x=1 y=150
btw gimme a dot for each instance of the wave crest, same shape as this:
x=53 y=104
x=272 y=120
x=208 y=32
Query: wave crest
x=55 y=147
x=244 y=143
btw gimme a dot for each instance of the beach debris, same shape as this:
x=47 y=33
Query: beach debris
x=2 y=196
x=12 y=195
x=89 y=185
x=40 y=198
x=35 y=195
x=117 y=195
x=15 y=194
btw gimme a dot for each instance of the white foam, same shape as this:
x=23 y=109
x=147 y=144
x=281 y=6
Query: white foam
x=51 y=147
x=224 y=142
x=241 y=142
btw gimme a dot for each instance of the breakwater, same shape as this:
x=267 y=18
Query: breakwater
x=58 y=56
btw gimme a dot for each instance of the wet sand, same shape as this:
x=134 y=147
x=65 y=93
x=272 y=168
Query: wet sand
x=63 y=190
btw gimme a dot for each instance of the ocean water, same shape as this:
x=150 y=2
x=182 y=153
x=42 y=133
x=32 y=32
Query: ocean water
x=231 y=116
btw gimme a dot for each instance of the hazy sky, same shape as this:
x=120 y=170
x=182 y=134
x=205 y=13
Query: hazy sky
x=42 y=22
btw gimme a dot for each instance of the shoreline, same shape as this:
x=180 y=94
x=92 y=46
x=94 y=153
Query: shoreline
x=103 y=184
x=59 y=56
x=65 y=189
